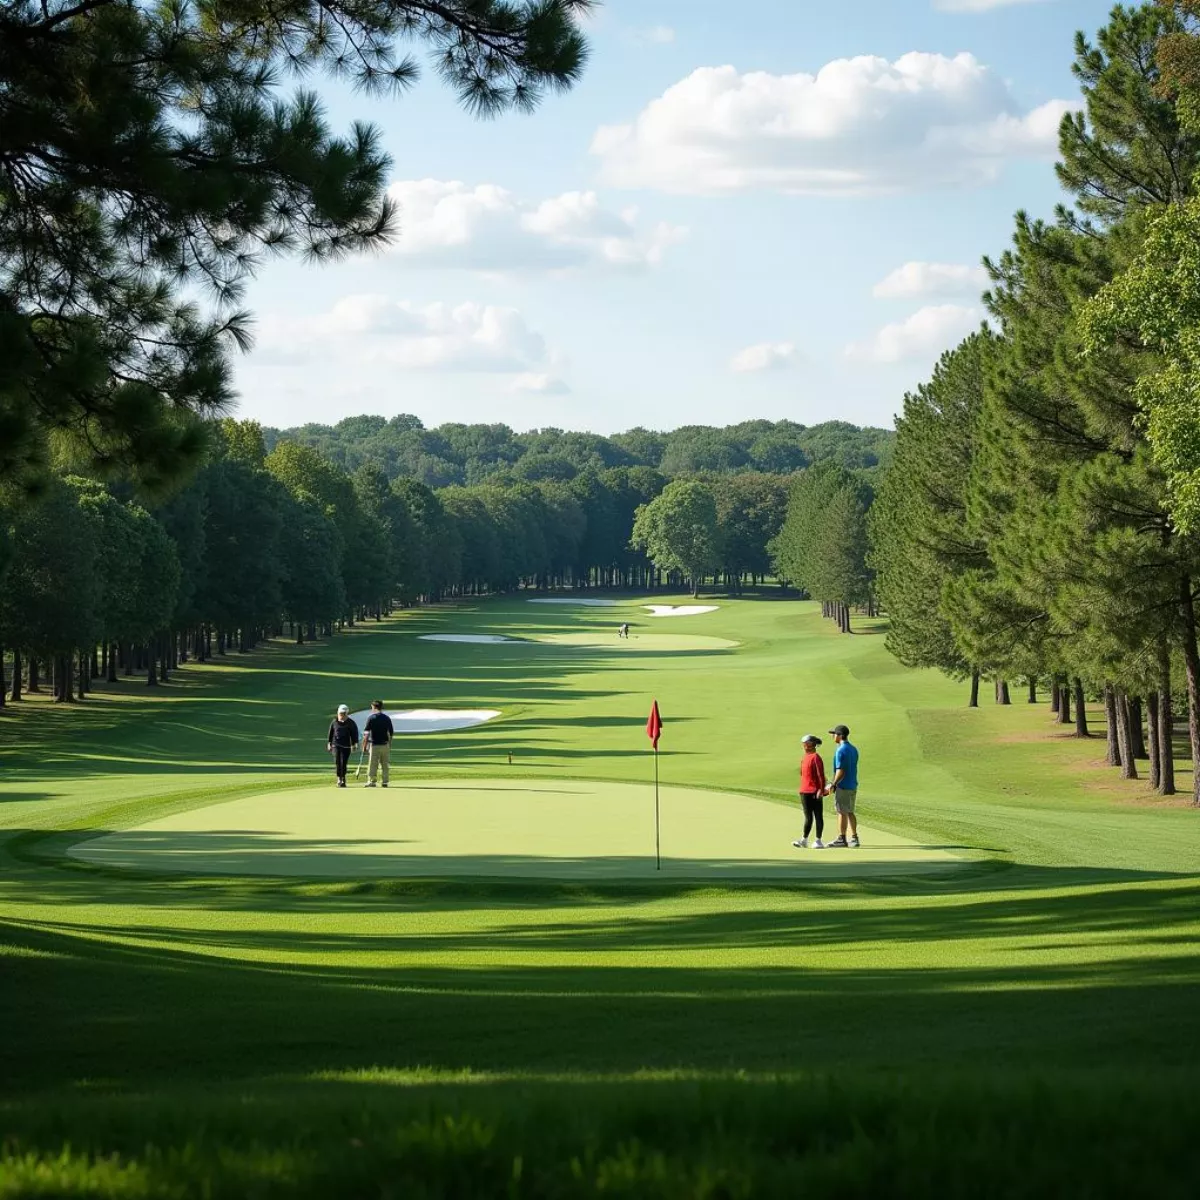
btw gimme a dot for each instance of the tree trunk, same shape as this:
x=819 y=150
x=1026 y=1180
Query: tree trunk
x=16 y=675
x=35 y=682
x=151 y=665
x=1064 y=705
x=111 y=654
x=1081 y=725
x=1166 y=723
x=1113 y=756
x=1002 y=696
x=974 y=700
x=1055 y=695
x=1125 y=736
x=1191 y=661
x=1154 y=740
x=164 y=651
x=1033 y=696
x=1136 y=733
x=3 y=682
x=83 y=674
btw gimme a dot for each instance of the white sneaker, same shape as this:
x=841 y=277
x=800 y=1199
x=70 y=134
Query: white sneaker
x=370 y=784
x=801 y=844
x=818 y=844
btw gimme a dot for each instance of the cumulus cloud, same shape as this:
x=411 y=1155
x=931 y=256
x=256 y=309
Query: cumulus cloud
x=376 y=330
x=859 y=126
x=488 y=228
x=924 y=335
x=765 y=356
x=930 y=279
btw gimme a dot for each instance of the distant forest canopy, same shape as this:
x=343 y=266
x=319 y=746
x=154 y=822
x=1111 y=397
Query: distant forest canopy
x=456 y=454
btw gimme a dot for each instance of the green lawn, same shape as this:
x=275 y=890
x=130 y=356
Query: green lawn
x=1019 y=1018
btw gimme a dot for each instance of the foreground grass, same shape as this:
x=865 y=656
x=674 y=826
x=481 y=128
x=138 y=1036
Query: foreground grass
x=666 y=1138
x=1024 y=1025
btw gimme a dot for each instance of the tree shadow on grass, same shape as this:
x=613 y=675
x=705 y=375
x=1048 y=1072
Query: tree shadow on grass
x=139 y=1014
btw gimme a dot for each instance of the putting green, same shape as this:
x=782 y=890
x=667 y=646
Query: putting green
x=496 y=827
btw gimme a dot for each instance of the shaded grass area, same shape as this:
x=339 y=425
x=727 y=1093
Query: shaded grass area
x=1022 y=1025
x=666 y=1138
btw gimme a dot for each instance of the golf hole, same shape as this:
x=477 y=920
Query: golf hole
x=431 y=720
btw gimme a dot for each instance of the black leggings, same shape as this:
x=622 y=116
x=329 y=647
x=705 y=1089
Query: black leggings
x=814 y=810
x=341 y=756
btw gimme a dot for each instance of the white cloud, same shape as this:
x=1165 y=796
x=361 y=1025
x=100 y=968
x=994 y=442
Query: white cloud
x=930 y=279
x=488 y=228
x=765 y=356
x=924 y=335
x=974 y=6
x=859 y=126
x=366 y=330
x=539 y=383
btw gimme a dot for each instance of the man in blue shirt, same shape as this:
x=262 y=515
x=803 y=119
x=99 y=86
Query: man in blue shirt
x=844 y=787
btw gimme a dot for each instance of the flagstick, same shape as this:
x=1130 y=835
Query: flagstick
x=657 y=842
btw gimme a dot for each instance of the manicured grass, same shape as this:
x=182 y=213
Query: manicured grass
x=1023 y=1021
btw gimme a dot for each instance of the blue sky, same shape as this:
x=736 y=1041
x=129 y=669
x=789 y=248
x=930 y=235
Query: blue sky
x=777 y=218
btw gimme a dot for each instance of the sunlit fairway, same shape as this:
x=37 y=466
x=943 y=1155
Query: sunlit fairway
x=218 y=970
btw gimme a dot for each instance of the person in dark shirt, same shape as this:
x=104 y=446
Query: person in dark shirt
x=343 y=737
x=379 y=734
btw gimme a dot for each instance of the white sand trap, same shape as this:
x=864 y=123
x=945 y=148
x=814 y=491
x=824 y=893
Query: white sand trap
x=680 y=610
x=581 y=603
x=498 y=827
x=431 y=720
x=476 y=639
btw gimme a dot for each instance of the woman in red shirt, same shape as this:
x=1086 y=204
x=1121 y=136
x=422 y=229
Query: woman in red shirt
x=812 y=787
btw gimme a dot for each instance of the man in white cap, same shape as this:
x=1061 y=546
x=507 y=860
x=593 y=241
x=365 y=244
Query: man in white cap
x=343 y=737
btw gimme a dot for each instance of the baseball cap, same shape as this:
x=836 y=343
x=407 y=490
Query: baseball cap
x=343 y=708
x=811 y=737
x=840 y=731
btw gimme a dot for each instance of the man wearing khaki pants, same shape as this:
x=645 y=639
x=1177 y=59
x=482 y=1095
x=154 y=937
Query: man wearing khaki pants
x=379 y=733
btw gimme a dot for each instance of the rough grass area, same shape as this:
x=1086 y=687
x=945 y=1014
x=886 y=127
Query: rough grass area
x=1022 y=1022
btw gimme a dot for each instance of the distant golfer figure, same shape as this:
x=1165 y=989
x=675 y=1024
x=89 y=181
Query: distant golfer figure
x=379 y=734
x=844 y=787
x=812 y=791
x=343 y=737
x=623 y=631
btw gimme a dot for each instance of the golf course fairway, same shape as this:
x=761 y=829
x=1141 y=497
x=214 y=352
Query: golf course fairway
x=222 y=976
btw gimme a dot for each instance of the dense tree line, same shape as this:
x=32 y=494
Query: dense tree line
x=99 y=583
x=474 y=454
x=1038 y=521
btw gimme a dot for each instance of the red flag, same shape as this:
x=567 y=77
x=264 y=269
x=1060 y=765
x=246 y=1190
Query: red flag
x=654 y=726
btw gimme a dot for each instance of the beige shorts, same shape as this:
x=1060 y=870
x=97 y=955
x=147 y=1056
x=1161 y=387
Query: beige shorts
x=843 y=800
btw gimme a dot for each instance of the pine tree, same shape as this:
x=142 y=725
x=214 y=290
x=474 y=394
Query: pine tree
x=149 y=155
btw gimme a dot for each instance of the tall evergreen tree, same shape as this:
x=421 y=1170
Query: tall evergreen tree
x=148 y=155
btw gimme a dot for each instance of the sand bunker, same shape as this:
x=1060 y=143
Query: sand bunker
x=679 y=610
x=477 y=639
x=431 y=720
x=582 y=603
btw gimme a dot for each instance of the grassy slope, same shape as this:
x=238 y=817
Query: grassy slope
x=1065 y=964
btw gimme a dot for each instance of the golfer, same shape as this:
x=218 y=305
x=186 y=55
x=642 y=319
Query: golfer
x=623 y=631
x=379 y=734
x=343 y=737
x=844 y=787
x=812 y=789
